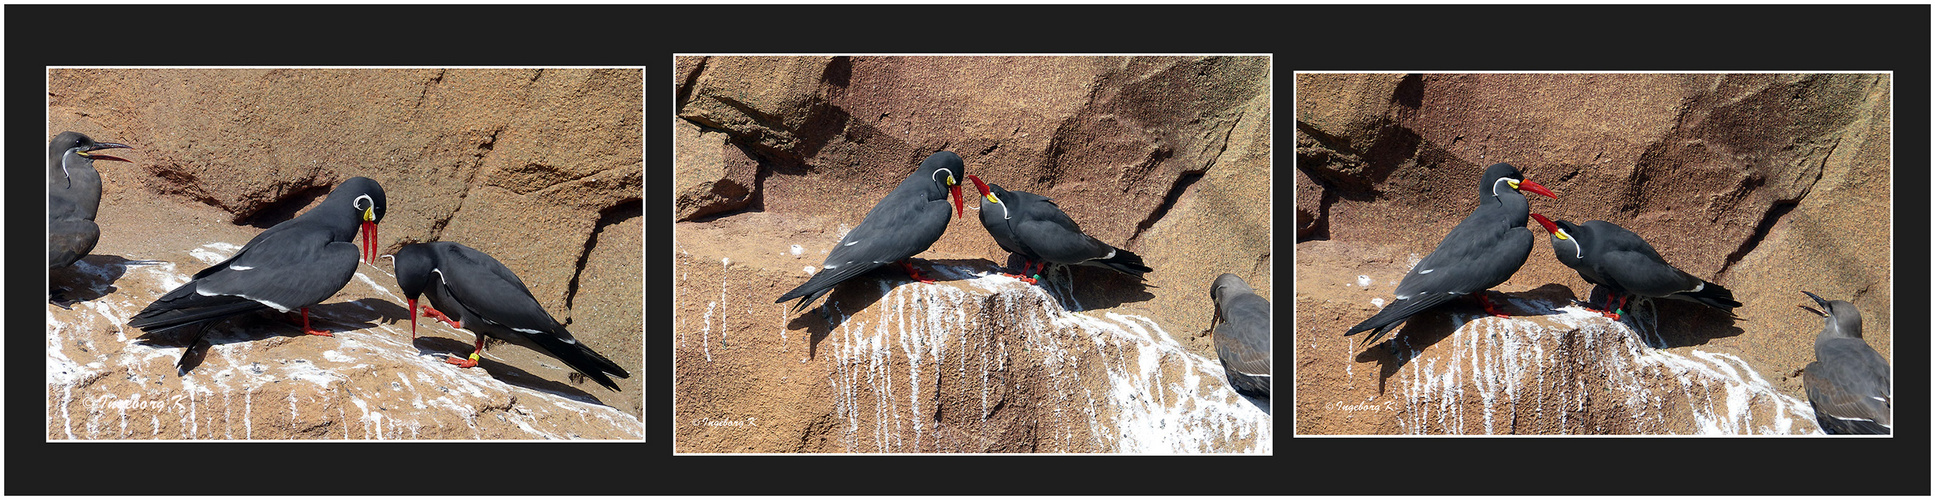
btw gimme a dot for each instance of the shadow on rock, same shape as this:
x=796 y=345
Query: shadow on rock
x=1262 y=403
x=1438 y=323
x=1408 y=341
x=359 y=314
x=1079 y=288
x=87 y=279
x=247 y=327
x=861 y=292
x=1667 y=323
x=434 y=346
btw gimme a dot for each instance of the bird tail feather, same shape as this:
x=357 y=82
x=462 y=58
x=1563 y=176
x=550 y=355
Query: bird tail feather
x=582 y=359
x=167 y=314
x=1125 y=262
x=1713 y=295
x=1392 y=315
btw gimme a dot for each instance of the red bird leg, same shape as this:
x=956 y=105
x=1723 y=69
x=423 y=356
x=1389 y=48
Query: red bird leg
x=1616 y=312
x=914 y=273
x=432 y=312
x=472 y=360
x=1591 y=307
x=306 y=329
x=1486 y=301
x=1024 y=272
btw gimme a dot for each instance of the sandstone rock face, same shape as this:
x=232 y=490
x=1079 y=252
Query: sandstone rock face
x=1165 y=156
x=1766 y=184
x=540 y=168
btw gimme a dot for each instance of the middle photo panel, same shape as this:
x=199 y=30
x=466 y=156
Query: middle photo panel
x=972 y=254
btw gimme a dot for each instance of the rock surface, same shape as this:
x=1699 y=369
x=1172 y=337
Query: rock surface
x=1164 y=156
x=540 y=168
x=1766 y=184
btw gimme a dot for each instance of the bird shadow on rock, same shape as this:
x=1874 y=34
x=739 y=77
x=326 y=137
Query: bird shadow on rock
x=1080 y=288
x=1427 y=328
x=432 y=346
x=87 y=279
x=1668 y=323
x=861 y=292
x=359 y=314
x=246 y=327
x=1261 y=403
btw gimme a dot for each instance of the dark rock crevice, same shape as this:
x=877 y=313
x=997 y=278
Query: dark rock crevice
x=483 y=149
x=284 y=207
x=423 y=94
x=617 y=214
x=1176 y=191
x=691 y=82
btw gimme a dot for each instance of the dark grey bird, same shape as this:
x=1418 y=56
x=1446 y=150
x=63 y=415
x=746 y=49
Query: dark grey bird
x=1241 y=330
x=289 y=267
x=905 y=222
x=474 y=291
x=1032 y=226
x=1607 y=255
x=1848 y=382
x=1481 y=252
x=73 y=196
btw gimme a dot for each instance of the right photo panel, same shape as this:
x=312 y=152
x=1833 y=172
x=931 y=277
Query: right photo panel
x=1593 y=254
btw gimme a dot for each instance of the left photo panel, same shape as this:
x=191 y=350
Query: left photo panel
x=448 y=254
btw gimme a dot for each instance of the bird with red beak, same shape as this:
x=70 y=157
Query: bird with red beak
x=904 y=223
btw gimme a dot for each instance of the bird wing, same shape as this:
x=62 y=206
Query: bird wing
x=1471 y=258
x=1242 y=337
x=901 y=225
x=285 y=269
x=1044 y=229
x=1850 y=383
x=1642 y=274
x=484 y=287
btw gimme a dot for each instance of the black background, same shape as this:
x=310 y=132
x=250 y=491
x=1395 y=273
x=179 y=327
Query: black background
x=1300 y=37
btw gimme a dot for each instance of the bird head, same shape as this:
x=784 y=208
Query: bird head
x=82 y=145
x=947 y=169
x=1841 y=316
x=365 y=196
x=413 y=266
x=987 y=193
x=1563 y=234
x=1224 y=285
x=1505 y=173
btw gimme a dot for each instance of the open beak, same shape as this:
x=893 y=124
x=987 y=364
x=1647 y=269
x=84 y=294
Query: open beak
x=1549 y=226
x=1528 y=185
x=1817 y=300
x=90 y=154
x=413 y=318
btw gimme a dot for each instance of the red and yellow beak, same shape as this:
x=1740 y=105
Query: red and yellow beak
x=1550 y=227
x=954 y=190
x=983 y=187
x=369 y=235
x=1528 y=185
